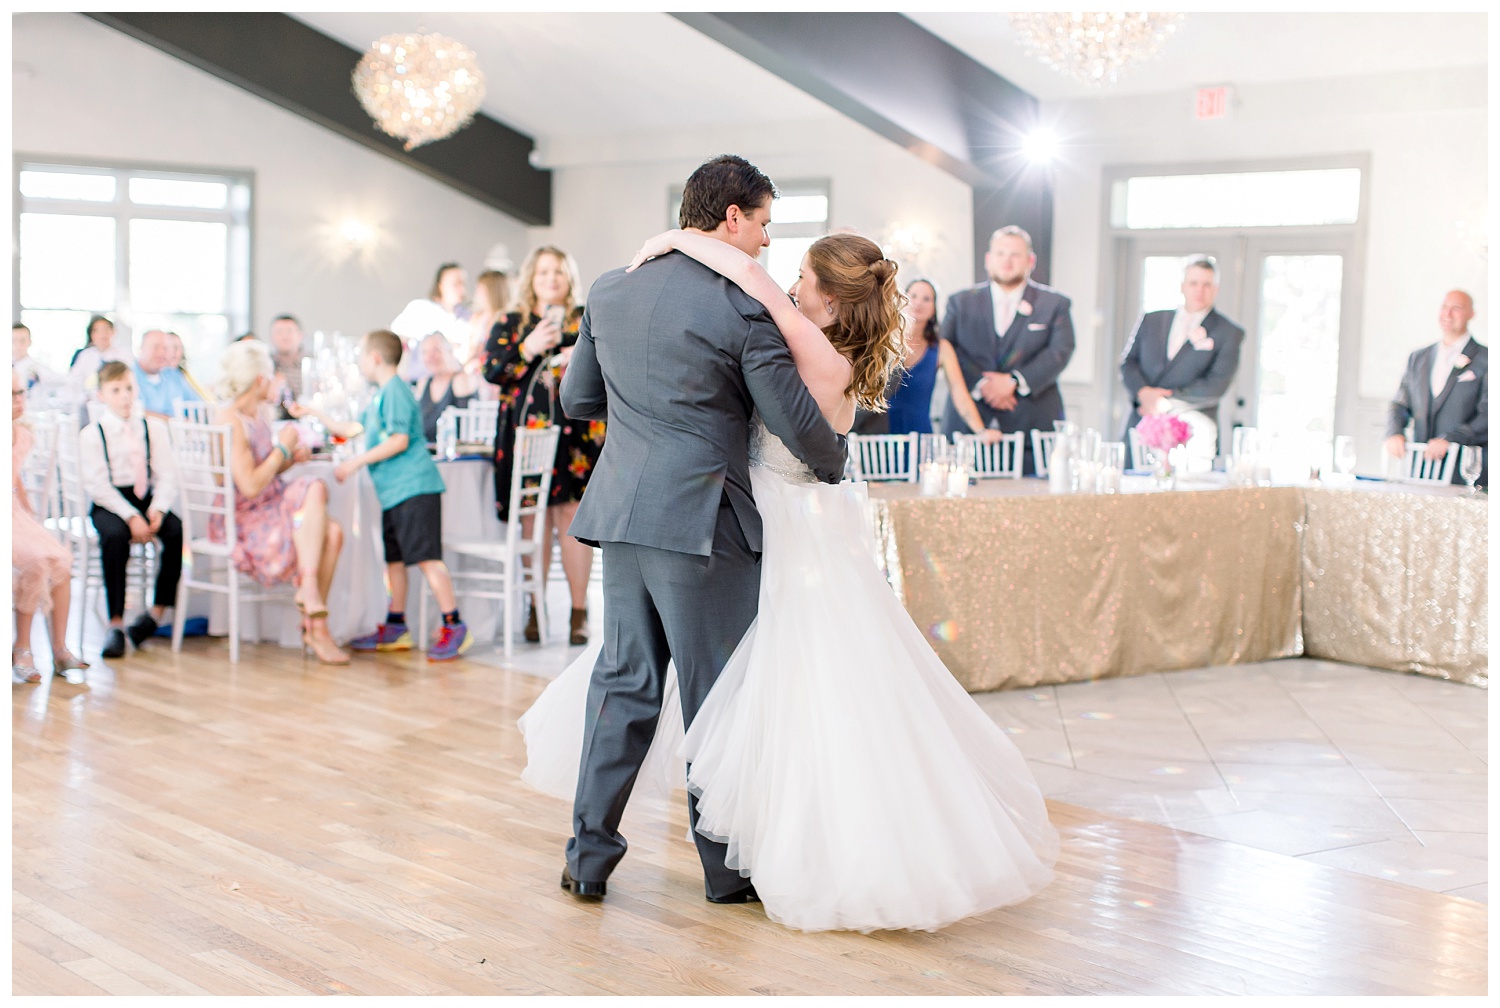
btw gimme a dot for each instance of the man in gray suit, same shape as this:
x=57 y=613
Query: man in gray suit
x=1013 y=338
x=677 y=358
x=1184 y=358
x=1445 y=392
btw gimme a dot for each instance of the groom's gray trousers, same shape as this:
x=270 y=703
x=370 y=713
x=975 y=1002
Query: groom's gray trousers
x=659 y=605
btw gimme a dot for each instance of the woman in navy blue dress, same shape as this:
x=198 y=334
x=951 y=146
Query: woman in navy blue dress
x=911 y=401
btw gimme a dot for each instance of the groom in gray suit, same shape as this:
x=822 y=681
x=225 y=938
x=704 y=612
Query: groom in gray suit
x=1013 y=337
x=1445 y=391
x=677 y=359
x=1184 y=358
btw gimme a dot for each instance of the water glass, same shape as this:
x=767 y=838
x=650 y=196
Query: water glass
x=1471 y=465
x=1111 y=467
x=933 y=448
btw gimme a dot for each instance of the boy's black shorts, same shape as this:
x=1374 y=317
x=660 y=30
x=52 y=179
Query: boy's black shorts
x=413 y=530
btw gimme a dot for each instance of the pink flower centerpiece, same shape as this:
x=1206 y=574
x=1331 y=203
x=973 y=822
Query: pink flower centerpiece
x=1163 y=433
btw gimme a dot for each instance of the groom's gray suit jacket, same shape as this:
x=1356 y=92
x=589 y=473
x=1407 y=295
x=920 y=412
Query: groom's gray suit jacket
x=677 y=358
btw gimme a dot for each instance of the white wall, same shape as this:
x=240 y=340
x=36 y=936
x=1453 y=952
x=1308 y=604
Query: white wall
x=86 y=90
x=611 y=193
x=1425 y=133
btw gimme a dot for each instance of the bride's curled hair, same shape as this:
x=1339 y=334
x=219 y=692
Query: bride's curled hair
x=868 y=323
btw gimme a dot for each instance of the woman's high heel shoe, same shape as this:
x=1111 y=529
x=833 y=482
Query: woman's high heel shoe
x=311 y=644
x=23 y=673
x=69 y=667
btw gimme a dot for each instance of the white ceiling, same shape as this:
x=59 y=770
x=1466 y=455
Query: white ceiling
x=1217 y=48
x=574 y=74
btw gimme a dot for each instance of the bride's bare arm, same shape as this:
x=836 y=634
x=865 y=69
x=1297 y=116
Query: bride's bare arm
x=823 y=369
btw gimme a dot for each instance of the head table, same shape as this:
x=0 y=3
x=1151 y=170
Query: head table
x=1018 y=587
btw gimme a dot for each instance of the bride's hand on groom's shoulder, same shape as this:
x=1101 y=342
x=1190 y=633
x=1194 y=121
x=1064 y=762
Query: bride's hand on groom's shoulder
x=660 y=245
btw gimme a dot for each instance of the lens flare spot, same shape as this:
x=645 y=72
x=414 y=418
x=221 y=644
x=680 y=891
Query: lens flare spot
x=1144 y=904
x=1097 y=716
x=946 y=631
x=1169 y=771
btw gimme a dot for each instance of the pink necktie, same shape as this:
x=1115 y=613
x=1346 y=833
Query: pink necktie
x=137 y=455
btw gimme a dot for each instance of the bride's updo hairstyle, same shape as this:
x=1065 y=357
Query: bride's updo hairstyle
x=242 y=363
x=868 y=323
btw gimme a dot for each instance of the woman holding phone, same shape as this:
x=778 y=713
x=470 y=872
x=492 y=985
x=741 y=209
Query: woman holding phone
x=525 y=356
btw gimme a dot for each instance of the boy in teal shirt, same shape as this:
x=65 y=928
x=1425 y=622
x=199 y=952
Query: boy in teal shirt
x=410 y=489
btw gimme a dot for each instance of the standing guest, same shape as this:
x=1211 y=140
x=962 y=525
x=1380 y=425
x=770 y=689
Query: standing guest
x=1182 y=358
x=1445 y=392
x=491 y=296
x=287 y=353
x=525 y=356
x=1013 y=338
x=442 y=310
x=131 y=480
x=159 y=383
x=410 y=489
x=41 y=383
x=176 y=359
x=41 y=568
x=445 y=385
x=283 y=531
x=99 y=348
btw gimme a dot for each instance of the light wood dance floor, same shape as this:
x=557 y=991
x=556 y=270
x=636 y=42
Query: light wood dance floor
x=187 y=826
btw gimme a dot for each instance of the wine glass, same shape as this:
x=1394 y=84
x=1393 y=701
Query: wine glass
x=1343 y=454
x=1470 y=465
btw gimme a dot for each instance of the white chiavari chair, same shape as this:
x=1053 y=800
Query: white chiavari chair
x=39 y=470
x=477 y=421
x=206 y=493
x=1417 y=468
x=1041 y=449
x=77 y=532
x=194 y=410
x=884 y=457
x=530 y=482
x=1000 y=460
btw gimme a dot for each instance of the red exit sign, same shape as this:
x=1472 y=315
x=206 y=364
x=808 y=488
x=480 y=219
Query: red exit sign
x=1212 y=102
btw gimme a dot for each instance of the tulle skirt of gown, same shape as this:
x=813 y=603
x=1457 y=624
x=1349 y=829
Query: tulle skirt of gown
x=853 y=779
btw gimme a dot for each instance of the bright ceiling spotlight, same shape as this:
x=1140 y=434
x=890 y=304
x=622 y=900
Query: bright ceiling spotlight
x=1040 y=146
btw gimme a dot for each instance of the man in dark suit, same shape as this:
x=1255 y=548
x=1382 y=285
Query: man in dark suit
x=1013 y=338
x=1184 y=358
x=1445 y=392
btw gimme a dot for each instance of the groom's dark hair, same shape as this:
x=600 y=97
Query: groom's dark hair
x=728 y=180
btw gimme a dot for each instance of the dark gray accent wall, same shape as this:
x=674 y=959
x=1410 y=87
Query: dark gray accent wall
x=282 y=60
x=887 y=72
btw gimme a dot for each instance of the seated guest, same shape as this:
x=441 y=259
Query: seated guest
x=1445 y=393
x=41 y=383
x=176 y=359
x=159 y=383
x=445 y=385
x=41 y=568
x=287 y=355
x=130 y=478
x=410 y=489
x=99 y=348
x=1184 y=358
x=283 y=531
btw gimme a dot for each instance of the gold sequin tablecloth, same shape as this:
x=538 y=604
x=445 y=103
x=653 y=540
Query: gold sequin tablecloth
x=1017 y=588
x=1398 y=580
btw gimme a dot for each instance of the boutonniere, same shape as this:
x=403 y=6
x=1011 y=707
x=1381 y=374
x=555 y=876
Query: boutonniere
x=1199 y=338
x=1460 y=362
x=1023 y=308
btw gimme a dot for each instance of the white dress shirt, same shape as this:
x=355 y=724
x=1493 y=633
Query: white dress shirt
x=1005 y=306
x=1442 y=363
x=1183 y=324
x=100 y=481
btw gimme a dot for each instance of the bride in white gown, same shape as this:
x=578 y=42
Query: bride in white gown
x=853 y=779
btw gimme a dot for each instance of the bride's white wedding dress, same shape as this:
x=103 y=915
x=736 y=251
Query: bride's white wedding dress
x=853 y=779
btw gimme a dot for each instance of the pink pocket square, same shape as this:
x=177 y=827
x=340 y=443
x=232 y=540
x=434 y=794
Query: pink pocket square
x=1468 y=376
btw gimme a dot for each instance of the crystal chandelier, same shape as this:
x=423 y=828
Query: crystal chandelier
x=419 y=88
x=1093 y=47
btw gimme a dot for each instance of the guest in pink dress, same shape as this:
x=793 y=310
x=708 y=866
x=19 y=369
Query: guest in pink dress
x=41 y=568
x=283 y=531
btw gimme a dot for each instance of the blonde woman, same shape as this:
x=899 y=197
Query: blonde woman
x=525 y=356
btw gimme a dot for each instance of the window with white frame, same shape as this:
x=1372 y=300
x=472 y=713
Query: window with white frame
x=799 y=216
x=149 y=249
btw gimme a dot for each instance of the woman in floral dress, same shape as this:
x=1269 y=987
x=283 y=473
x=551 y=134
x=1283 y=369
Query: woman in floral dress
x=525 y=355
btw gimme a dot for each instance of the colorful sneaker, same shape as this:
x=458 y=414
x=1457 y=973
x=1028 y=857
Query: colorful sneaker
x=450 y=642
x=389 y=637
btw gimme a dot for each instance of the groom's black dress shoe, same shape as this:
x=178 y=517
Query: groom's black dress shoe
x=745 y=895
x=583 y=890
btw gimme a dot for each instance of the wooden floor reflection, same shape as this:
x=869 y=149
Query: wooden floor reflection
x=280 y=828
